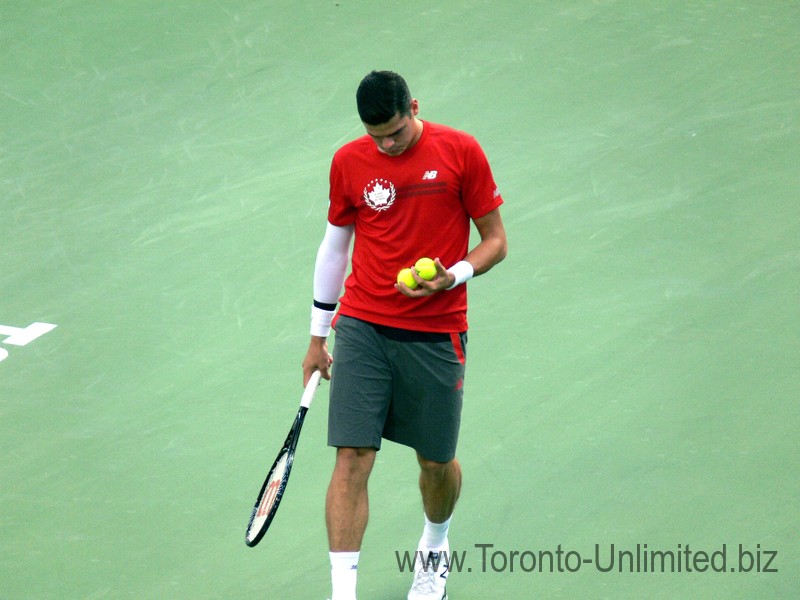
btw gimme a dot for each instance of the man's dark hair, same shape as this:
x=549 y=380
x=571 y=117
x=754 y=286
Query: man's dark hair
x=380 y=96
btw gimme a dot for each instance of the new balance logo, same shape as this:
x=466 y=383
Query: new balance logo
x=430 y=175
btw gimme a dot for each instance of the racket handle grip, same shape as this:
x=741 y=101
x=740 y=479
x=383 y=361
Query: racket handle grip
x=311 y=388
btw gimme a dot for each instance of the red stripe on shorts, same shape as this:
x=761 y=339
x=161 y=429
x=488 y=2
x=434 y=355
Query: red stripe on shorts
x=457 y=348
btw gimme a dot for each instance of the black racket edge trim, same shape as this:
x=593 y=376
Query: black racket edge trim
x=272 y=511
x=289 y=447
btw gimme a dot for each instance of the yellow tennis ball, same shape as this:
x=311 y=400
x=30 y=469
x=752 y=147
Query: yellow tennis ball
x=426 y=268
x=407 y=277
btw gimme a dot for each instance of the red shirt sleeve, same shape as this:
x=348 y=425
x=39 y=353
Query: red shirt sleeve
x=341 y=211
x=480 y=194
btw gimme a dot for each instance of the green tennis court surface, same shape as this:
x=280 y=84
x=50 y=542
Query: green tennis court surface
x=633 y=384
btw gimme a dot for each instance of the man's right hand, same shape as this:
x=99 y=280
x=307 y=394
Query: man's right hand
x=317 y=359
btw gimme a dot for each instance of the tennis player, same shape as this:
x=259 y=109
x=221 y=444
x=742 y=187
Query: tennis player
x=408 y=189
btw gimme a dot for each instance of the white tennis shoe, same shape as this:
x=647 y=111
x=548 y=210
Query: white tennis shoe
x=430 y=575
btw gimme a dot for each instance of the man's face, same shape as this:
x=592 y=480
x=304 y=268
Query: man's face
x=398 y=134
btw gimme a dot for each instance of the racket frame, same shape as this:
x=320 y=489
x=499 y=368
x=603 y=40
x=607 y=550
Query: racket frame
x=287 y=450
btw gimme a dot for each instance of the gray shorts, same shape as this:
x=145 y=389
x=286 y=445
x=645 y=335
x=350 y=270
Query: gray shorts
x=404 y=386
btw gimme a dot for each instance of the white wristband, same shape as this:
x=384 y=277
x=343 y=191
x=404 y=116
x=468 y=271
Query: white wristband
x=321 y=320
x=463 y=272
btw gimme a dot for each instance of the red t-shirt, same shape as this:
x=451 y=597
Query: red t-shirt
x=417 y=204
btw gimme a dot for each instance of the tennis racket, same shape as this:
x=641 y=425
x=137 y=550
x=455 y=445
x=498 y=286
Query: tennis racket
x=269 y=498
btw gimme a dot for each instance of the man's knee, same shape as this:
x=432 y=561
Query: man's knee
x=436 y=469
x=354 y=463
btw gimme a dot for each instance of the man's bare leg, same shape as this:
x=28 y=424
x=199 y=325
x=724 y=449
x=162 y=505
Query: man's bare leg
x=346 y=516
x=440 y=484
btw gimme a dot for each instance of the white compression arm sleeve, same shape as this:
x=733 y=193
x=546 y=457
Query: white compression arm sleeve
x=330 y=269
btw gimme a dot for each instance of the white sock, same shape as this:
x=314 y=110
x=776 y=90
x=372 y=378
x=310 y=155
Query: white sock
x=344 y=571
x=434 y=535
